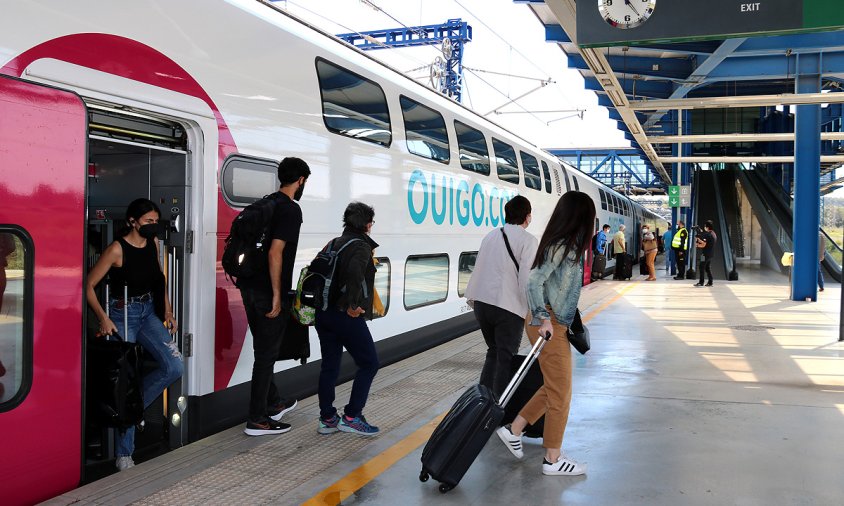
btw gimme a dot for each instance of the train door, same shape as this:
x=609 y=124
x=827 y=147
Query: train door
x=42 y=195
x=137 y=156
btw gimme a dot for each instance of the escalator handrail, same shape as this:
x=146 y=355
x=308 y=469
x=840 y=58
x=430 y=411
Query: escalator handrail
x=831 y=240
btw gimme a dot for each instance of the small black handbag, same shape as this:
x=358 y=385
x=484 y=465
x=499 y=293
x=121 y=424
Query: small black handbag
x=578 y=334
x=113 y=375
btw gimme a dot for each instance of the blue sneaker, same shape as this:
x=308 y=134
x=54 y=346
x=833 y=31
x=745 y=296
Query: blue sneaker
x=328 y=425
x=357 y=425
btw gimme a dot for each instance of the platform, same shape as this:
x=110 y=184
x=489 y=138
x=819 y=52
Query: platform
x=724 y=395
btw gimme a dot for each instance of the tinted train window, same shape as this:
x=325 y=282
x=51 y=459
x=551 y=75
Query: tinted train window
x=603 y=199
x=505 y=161
x=531 y=167
x=576 y=184
x=15 y=317
x=425 y=129
x=353 y=105
x=465 y=266
x=246 y=179
x=382 y=284
x=546 y=175
x=425 y=280
x=616 y=206
x=626 y=207
x=474 y=152
x=565 y=176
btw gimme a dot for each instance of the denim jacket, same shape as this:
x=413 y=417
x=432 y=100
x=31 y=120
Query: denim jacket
x=556 y=283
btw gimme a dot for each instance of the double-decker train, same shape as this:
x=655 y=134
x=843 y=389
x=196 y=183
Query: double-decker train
x=192 y=104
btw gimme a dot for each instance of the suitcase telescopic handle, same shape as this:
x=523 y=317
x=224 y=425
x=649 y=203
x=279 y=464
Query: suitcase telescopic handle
x=522 y=372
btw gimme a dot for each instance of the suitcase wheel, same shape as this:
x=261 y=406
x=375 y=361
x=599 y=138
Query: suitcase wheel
x=423 y=476
x=445 y=487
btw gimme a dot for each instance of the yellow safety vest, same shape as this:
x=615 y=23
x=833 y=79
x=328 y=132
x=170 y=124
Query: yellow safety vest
x=680 y=242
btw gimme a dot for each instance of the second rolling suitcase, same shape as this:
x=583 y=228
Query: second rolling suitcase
x=464 y=431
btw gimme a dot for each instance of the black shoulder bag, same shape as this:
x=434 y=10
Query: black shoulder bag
x=578 y=334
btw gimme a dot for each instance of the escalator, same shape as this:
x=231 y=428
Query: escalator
x=710 y=205
x=772 y=206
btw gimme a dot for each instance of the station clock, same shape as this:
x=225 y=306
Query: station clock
x=625 y=14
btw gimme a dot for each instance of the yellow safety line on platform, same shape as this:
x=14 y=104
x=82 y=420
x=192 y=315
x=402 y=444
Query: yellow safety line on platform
x=354 y=481
x=344 y=487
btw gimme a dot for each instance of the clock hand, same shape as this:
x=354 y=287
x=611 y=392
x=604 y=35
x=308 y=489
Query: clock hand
x=632 y=7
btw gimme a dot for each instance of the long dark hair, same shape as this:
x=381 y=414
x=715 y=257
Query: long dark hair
x=570 y=226
x=136 y=209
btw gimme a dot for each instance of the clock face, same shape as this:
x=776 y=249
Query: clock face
x=626 y=13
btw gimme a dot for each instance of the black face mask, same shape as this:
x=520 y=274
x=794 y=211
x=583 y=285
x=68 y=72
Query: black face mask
x=149 y=230
x=298 y=195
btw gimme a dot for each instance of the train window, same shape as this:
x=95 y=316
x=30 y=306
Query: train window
x=465 y=266
x=505 y=161
x=425 y=130
x=546 y=175
x=626 y=207
x=603 y=199
x=353 y=105
x=425 y=280
x=474 y=152
x=565 y=176
x=382 y=283
x=15 y=316
x=616 y=207
x=576 y=184
x=533 y=179
x=245 y=179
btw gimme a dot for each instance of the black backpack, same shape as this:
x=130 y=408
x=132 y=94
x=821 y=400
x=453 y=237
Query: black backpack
x=245 y=253
x=315 y=282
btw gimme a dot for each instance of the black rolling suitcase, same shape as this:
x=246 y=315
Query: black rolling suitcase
x=599 y=265
x=627 y=268
x=643 y=267
x=464 y=431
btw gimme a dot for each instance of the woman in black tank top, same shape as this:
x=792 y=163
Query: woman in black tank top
x=138 y=306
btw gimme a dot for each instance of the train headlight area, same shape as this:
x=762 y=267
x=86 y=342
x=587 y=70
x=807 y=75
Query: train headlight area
x=686 y=397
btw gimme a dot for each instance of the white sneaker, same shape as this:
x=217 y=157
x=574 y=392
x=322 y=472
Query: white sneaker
x=124 y=463
x=565 y=466
x=511 y=441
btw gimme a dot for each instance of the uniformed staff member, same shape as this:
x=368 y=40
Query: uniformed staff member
x=680 y=244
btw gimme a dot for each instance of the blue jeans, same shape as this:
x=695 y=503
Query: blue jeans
x=336 y=330
x=144 y=327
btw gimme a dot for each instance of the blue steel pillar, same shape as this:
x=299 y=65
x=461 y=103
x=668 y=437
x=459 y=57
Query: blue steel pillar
x=807 y=193
x=687 y=167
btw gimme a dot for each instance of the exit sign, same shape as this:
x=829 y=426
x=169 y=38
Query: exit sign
x=690 y=20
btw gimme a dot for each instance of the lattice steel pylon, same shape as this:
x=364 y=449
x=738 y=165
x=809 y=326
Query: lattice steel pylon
x=452 y=35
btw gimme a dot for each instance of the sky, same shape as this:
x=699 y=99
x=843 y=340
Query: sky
x=506 y=39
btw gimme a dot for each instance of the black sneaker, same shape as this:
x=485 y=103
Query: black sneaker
x=269 y=427
x=282 y=409
x=679 y=278
x=698 y=284
x=709 y=284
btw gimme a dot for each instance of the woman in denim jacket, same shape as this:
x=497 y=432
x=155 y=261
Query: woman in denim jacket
x=553 y=292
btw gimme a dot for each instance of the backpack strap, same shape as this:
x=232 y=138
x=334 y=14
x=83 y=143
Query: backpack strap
x=509 y=249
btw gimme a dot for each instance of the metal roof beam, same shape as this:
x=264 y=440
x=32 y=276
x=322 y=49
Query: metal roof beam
x=795 y=44
x=739 y=101
x=777 y=137
x=747 y=68
x=555 y=33
x=634 y=87
x=657 y=68
x=743 y=159
x=699 y=48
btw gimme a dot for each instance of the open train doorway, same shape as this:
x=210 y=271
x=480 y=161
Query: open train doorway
x=132 y=156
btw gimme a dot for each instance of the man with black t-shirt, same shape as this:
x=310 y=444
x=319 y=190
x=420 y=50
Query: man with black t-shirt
x=264 y=296
x=705 y=241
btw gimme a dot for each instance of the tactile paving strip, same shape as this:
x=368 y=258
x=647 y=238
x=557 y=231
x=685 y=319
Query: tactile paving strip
x=268 y=471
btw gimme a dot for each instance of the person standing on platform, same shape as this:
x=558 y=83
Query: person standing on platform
x=343 y=325
x=138 y=294
x=601 y=240
x=821 y=254
x=669 y=251
x=553 y=292
x=265 y=296
x=497 y=291
x=705 y=241
x=680 y=245
x=649 y=248
x=619 y=246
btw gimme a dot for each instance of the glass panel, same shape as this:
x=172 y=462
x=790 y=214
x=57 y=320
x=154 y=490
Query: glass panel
x=603 y=199
x=353 y=105
x=465 y=266
x=382 y=284
x=425 y=129
x=546 y=174
x=246 y=179
x=15 y=276
x=425 y=280
x=474 y=152
x=565 y=177
x=531 y=167
x=576 y=184
x=505 y=161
